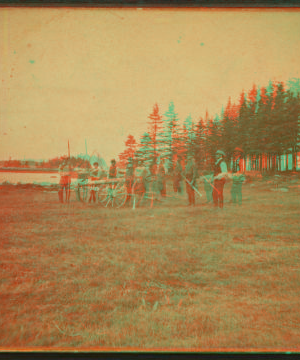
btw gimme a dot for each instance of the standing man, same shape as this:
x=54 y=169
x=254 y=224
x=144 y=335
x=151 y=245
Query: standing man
x=113 y=170
x=94 y=175
x=161 y=179
x=64 y=183
x=129 y=177
x=112 y=174
x=141 y=180
x=238 y=176
x=82 y=181
x=220 y=173
x=191 y=175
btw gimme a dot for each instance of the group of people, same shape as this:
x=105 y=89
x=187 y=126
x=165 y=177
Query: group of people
x=84 y=173
x=153 y=179
x=214 y=178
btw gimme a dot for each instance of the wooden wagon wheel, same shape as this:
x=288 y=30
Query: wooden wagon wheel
x=112 y=194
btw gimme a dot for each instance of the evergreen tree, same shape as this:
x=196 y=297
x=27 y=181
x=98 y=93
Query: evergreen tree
x=213 y=139
x=171 y=132
x=188 y=137
x=279 y=134
x=260 y=130
x=292 y=125
x=156 y=130
x=199 y=145
x=131 y=146
x=229 y=130
x=146 y=150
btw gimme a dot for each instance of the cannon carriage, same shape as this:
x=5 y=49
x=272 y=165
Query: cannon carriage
x=109 y=192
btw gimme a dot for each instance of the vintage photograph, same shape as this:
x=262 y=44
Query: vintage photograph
x=149 y=179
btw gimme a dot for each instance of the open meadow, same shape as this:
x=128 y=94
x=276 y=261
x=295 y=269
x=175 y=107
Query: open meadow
x=171 y=277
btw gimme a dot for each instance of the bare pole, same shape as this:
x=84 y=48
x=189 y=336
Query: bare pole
x=69 y=184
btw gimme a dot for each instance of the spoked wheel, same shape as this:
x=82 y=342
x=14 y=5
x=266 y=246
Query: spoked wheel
x=112 y=195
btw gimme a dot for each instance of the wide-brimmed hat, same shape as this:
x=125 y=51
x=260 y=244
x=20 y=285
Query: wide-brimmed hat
x=220 y=152
x=237 y=149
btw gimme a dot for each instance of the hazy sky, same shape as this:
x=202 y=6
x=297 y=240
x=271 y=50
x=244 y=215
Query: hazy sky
x=95 y=74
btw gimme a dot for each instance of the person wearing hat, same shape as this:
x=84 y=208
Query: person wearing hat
x=129 y=176
x=161 y=179
x=141 y=179
x=220 y=173
x=95 y=174
x=64 y=183
x=238 y=176
x=113 y=169
x=82 y=180
x=190 y=175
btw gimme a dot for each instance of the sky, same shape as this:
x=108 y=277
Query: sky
x=94 y=74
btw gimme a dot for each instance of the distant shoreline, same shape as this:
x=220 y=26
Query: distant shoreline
x=28 y=170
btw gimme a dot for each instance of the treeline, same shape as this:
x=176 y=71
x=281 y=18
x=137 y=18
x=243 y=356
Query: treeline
x=264 y=123
x=54 y=163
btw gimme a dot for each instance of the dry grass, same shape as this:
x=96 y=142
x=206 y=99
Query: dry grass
x=169 y=277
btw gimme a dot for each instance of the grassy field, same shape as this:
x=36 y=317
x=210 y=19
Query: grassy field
x=81 y=276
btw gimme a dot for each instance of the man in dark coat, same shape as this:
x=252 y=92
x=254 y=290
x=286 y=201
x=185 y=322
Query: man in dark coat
x=161 y=179
x=113 y=169
x=220 y=173
x=65 y=181
x=191 y=176
x=129 y=178
x=94 y=175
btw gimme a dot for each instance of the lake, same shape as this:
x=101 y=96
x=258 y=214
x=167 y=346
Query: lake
x=23 y=177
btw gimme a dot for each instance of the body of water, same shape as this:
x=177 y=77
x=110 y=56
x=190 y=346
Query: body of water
x=23 y=177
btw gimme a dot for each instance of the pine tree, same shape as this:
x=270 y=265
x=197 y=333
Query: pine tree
x=131 y=146
x=260 y=130
x=188 y=137
x=156 y=130
x=146 y=150
x=171 y=132
x=229 y=129
x=213 y=139
x=279 y=134
x=199 y=143
x=292 y=125
x=253 y=126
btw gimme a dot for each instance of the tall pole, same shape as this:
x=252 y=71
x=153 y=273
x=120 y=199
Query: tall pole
x=69 y=185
